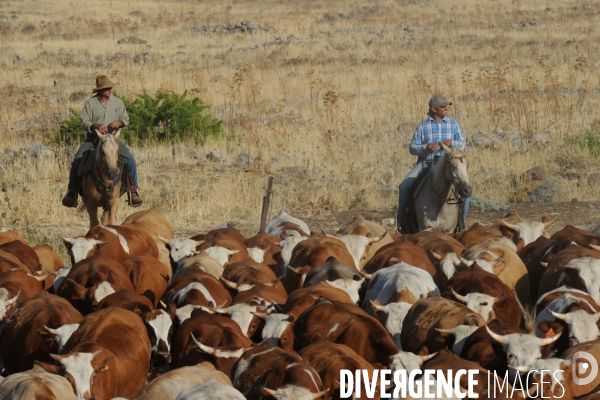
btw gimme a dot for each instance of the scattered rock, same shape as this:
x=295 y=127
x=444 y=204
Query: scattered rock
x=132 y=40
x=485 y=140
x=245 y=159
x=594 y=179
x=299 y=169
x=214 y=156
x=536 y=173
x=542 y=138
x=36 y=150
x=549 y=191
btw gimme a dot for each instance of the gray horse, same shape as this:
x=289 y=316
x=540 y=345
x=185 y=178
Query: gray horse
x=436 y=201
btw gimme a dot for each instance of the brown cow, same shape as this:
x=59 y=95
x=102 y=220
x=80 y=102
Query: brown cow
x=419 y=334
x=570 y=234
x=15 y=287
x=536 y=256
x=312 y=253
x=265 y=249
x=148 y=276
x=574 y=266
x=329 y=358
x=267 y=370
x=128 y=300
x=120 y=242
x=107 y=356
x=49 y=261
x=208 y=337
x=484 y=293
x=154 y=224
x=477 y=234
x=198 y=288
x=26 y=337
x=8 y=235
x=24 y=253
x=347 y=324
x=92 y=279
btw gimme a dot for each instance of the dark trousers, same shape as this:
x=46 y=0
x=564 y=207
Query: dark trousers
x=123 y=150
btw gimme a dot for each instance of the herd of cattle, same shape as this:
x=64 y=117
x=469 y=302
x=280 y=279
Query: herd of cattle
x=141 y=314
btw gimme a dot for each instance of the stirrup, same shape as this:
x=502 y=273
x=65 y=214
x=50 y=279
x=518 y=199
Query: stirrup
x=130 y=196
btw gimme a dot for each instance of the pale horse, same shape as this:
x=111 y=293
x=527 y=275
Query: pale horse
x=101 y=186
x=436 y=203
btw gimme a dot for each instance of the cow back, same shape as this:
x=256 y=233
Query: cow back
x=36 y=384
x=148 y=276
x=404 y=251
x=24 y=253
x=212 y=286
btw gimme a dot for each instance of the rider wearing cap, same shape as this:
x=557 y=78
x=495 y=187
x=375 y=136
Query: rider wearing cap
x=437 y=128
x=105 y=113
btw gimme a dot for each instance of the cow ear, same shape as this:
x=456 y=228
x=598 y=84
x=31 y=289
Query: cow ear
x=171 y=308
x=52 y=368
x=78 y=291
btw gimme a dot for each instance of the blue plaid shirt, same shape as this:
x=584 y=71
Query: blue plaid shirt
x=430 y=131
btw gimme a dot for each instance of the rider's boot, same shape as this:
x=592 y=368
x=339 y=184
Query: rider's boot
x=70 y=199
x=135 y=200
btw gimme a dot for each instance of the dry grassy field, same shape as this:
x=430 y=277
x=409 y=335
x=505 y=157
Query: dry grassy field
x=324 y=96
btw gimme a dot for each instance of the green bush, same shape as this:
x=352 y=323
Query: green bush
x=590 y=141
x=69 y=131
x=487 y=205
x=167 y=117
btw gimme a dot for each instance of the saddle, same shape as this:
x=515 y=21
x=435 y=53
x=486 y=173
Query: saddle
x=87 y=162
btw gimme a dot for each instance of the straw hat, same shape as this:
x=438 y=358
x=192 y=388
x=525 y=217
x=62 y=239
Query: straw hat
x=102 y=82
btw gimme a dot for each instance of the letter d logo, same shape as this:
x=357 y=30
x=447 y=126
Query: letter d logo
x=584 y=364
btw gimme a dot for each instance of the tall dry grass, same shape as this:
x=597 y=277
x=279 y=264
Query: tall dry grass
x=326 y=98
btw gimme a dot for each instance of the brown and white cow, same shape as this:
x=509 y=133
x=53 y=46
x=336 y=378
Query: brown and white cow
x=154 y=224
x=328 y=359
x=169 y=385
x=339 y=275
x=9 y=234
x=419 y=334
x=444 y=251
x=570 y=234
x=575 y=310
x=521 y=231
x=369 y=229
x=227 y=245
x=148 y=276
x=391 y=293
x=36 y=384
x=536 y=256
x=49 y=262
x=23 y=252
x=284 y=225
x=15 y=287
x=208 y=337
x=501 y=260
x=574 y=266
x=313 y=253
x=91 y=280
x=477 y=234
x=265 y=249
x=269 y=371
x=202 y=261
x=27 y=338
x=107 y=356
x=210 y=389
x=346 y=324
x=484 y=293
x=120 y=242
x=197 y=288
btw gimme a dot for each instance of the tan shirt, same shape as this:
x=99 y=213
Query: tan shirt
x=95 y=112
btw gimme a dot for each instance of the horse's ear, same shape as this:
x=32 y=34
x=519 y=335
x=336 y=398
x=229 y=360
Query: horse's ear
x=116 y=135
x=100 y=135
x=446 y=148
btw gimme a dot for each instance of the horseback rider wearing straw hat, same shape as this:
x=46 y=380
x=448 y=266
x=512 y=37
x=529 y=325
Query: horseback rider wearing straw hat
x=105 y=113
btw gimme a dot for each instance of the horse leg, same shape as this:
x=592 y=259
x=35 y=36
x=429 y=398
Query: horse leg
x=93 y=213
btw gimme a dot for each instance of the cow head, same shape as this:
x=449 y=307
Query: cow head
x=244 y=315
x=408 y=361
x=521 y=348
x=291 y=392
x=350 y=286
x=358 y=245
x=393 y=315
x=460 y=333
x=61 y=334
x=582 y=273
x=180 y=248
x=448 y=263
x=159 y=325
x=525 y=232
x=84 y=370
x=278 y=329
x=7 y=302
x=583 y=326
x=220 y=253
x=82 y=247
x=480 y=303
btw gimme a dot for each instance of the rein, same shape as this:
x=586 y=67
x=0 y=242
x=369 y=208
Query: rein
x=108 y=188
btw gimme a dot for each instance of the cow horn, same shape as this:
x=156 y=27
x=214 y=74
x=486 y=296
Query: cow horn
x=365 y=274
x=562 y=317
x=38 y=278
x=377 y=306
x=570 y=266
x=593 y=246
x=162 y=239
x=435 y=255
x=446 y=331
x=498 y=298
x=232 y=252
x=508 y=225
x=376 y=238
x=67 y=240
x=273 y=282
x=322 y=393
x=199 y=242
x=232 y=285
x=521 y=368
x=499 y=259
x=463 y=260
x=98 y=242
x=261 y=315
x=550 y=340
x=394 y=259
x=495 y=336
x=458 y=296
x=544 y=264
x=428 y=357
x=162 y=303
x=547 y=223
x=100 y=135
x=206 y=349
x=295 y=270
x=268 y=391
x=51 y=330
x=11 y=301
x=220 y=310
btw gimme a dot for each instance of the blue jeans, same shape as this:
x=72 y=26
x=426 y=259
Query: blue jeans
x=405 y=191
x=125 y=154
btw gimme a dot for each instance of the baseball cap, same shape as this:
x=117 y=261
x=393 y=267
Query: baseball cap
x=439 y=101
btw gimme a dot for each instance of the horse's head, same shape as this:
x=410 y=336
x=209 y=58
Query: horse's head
x=456 y=171
x=108 y=154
